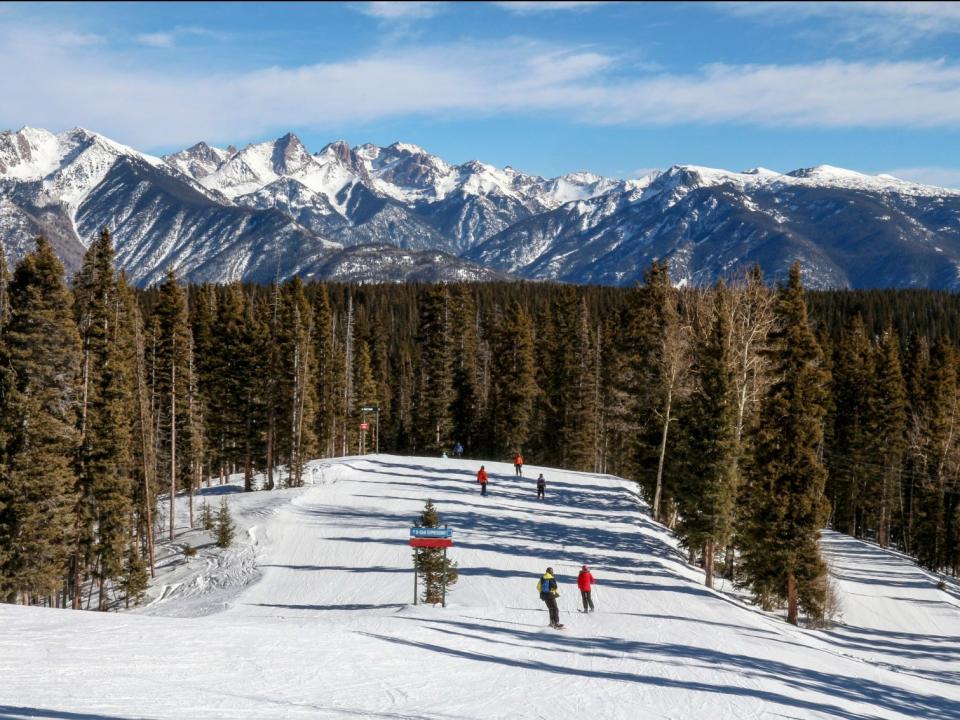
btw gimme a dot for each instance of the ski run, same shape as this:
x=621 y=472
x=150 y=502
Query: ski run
x=310 y=614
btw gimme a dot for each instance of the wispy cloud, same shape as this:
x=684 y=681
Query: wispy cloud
x=890 y=23
x=530 y=8
x=150 y=105
x=400 y=10
x=940 y=176
x=169 y=38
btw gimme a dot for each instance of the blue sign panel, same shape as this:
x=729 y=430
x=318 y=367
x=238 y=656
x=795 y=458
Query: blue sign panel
x=422 y=532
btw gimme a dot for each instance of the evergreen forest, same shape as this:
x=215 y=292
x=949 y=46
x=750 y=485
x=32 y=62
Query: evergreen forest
x=750 y=416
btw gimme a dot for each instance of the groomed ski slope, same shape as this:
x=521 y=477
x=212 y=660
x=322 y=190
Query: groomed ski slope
x=310 y=616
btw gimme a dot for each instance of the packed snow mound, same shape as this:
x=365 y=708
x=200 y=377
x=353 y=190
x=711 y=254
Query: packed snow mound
x=311 y=615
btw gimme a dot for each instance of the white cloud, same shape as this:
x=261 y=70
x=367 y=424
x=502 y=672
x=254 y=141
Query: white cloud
x=939 y=176
x=156 y=39
x=891 y=23
x=400 y=10
x=530 y=8
x=148 y=106
x=169 y=38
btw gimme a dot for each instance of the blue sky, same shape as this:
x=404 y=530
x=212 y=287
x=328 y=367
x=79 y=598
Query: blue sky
x=548 y=88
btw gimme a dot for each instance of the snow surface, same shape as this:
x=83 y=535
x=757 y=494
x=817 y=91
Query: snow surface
x=310 y=615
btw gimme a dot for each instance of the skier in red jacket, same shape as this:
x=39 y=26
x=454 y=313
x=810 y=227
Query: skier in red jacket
x=585 y=582
x=482 y=479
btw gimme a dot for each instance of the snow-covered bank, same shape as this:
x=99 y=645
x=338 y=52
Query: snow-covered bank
x=311 y=617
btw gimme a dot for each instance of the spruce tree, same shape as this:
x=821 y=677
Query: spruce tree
x=660 y=344
x=887 y=432
x=225 y=526
x=38 y=429
x=365 y=393
x=105 y=461
x=781 y=557
x=849 y=452
x=135 y=580
x=430 y=561
x=172 y=370
x=709 y=491
x=512 y=387
x=434 y=382
x=295 y=387
x=207 y=521
x=932 y=512
x=466 y=391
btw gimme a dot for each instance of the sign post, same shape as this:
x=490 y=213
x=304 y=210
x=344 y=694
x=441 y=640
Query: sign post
x=428 y=537
x=376 y=434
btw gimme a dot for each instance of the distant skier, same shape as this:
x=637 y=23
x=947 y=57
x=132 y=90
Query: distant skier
x=547 y=587
x=518 y=464
x=585 y=583
x=458 y=450
x=541 y=487
x=482 y=479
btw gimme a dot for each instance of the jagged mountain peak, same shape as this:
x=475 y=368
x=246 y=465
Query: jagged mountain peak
x=199 y=160
x=408 y=148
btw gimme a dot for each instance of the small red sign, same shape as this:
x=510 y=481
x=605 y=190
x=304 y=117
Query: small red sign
x=364 y=426
x=431 y=542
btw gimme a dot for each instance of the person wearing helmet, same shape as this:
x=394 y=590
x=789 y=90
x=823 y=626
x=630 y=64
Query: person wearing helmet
x=585 y=583
x=547 y=587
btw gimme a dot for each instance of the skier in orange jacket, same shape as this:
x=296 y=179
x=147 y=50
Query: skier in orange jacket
x=518 y=463
x=482 y=479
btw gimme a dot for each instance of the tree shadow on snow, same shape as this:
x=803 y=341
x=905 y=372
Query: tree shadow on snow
x=349 y=606
x=9 y=712
x=805 y=680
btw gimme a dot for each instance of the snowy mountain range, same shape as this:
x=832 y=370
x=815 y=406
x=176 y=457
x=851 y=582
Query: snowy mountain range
x=369 y=213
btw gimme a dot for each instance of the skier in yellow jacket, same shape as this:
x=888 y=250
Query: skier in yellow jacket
x=547 y=587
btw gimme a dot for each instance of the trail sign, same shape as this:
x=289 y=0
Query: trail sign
x=370 y=408
x=364 y=426
x=429 y=532
x=431 y=542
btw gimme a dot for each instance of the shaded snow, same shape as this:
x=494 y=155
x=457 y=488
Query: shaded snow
x=311 y=616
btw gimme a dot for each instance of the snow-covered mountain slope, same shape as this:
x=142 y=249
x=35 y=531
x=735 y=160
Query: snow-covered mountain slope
x=225 y=214
x=176 y=212
x=846 y=230
x=311 y=615
x=200 y=160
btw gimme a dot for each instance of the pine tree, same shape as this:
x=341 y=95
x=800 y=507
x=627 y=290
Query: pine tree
x=941 y=448
x=466 y=399
x=172 y=368
x=660 y=348
x=434 y=382
x=296 y=389
x=135 y=580
x=225 y=526
x=513 y=385
x=781 y=557
x=365 y=393
x=207 y=521
x=709 y=490
x=887 y=432
x=105 y=460
x=38 y=436
x=430 y=562
x=849 y=452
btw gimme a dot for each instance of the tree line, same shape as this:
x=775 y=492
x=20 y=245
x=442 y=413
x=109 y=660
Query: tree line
x=750 y=416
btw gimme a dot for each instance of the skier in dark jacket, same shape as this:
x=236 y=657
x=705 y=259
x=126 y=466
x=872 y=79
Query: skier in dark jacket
x=541 y=487
x=547 y=587
x=585 y=583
